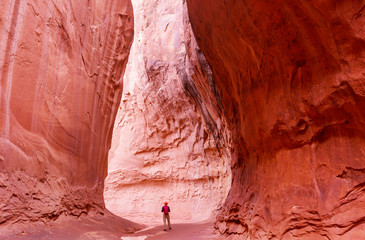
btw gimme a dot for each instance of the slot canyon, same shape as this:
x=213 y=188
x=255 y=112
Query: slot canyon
x=248 y=117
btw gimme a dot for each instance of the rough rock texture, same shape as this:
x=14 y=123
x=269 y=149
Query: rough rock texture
x=170 y=141
x=61 y=64
x=291 y=75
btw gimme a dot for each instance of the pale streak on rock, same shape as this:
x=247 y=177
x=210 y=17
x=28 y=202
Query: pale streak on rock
x=12 y=38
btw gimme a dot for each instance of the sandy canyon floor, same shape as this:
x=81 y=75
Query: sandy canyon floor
x=112 y=229
x=187 y=231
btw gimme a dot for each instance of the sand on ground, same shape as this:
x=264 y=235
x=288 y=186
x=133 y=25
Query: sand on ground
x=184 y=231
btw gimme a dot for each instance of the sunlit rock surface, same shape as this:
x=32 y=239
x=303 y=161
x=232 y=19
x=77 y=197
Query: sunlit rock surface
x=61 y=65
x=291 y=75
x=170 y=141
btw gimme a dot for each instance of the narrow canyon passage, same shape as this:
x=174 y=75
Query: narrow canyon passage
x=162 y=148
x=247 y=117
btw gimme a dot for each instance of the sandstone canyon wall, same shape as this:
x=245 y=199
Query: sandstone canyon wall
x=285 y=80
x=291 y=75
x=170 y=141
x=61 y=65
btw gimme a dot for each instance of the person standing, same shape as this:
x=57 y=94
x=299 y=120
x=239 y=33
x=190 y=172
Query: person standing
x=166 y=216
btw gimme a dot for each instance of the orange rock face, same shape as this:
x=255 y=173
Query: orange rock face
x=291 y=75
x=61 y=65
x=170 y=141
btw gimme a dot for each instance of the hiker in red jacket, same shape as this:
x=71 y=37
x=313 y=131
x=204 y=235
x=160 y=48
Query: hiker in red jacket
x=166 y=215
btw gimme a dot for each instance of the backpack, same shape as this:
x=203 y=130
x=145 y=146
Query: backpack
x=166 y=210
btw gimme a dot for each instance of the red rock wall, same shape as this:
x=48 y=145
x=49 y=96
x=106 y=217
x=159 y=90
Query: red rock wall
x=291 y=75
x=61 y=65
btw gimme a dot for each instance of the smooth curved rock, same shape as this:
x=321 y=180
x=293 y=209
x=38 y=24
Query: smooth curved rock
x=292 y=81
x=61 y=65
x=170 y=141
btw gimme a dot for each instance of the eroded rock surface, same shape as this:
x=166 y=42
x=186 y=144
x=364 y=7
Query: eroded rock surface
x=170 y=141
x=291 y=75
x=61 y=65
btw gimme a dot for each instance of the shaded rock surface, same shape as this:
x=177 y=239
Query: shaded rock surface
x=291 y=76
x=61 y=65
x=170 y=141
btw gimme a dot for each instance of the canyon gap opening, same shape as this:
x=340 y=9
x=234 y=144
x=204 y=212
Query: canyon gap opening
x=170 y=140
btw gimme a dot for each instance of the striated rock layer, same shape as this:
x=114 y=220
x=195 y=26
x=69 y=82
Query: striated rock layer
x=61 y=65
x=291 y=76
x=170 y=141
